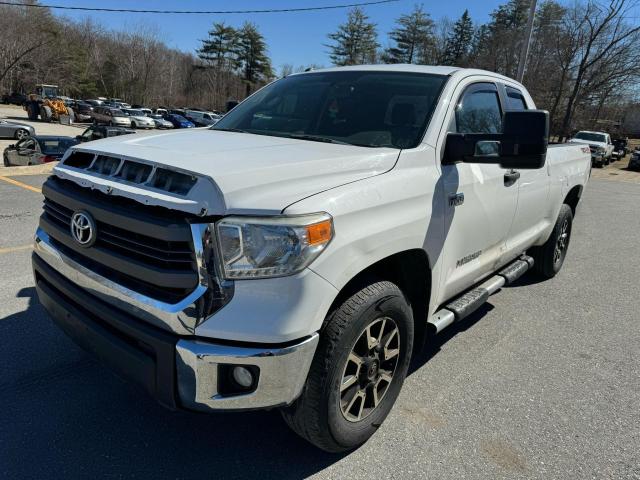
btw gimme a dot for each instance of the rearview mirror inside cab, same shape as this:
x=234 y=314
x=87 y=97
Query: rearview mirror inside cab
x=522 y=143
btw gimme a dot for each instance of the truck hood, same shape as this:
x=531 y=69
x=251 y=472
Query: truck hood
x=249 y=173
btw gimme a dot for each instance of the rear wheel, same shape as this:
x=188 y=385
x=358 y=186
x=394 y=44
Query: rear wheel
x=133 y=125
x=358 y=369
x=6 y=160
x=549 y=257
x=20 y=134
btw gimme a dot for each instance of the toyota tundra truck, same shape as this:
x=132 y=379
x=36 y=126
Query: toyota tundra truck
x=299 y=252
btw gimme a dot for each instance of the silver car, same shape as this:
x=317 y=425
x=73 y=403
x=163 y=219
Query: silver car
x=160 y=121
x=9 y=129
x=110 y=116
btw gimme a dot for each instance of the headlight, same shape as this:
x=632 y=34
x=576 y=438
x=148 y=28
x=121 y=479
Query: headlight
x=259 y=247
x=601 y=150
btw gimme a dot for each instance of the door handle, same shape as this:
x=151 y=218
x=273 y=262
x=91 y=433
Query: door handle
x=511 y=177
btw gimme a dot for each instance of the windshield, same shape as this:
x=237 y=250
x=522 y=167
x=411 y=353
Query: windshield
x=365 y=108
x=117 y=113
x=135 y=113
x=591 y=137
x=179 y=118
x=155 y=116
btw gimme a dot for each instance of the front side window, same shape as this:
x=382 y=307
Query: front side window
x=365 y=108
x=478 y=110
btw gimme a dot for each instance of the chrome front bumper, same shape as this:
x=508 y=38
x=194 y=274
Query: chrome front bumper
x=282 y=374
x=177 y=317
x=282 y=369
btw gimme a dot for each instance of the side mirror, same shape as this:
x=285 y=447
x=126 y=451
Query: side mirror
x=522 y=144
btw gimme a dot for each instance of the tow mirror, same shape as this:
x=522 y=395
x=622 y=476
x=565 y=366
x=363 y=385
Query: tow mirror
x=521 y=145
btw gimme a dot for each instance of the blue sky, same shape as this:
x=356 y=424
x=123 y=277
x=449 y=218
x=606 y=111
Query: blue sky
x=295 y=38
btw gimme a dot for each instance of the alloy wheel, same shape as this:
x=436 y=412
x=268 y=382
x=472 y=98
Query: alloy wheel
x=369 y=369
x=562 y=242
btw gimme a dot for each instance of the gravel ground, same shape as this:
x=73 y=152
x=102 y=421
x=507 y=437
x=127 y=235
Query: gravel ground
x=544 y=382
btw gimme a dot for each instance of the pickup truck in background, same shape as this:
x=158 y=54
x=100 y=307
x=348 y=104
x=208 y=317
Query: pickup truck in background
x=600 y=144
x=298 y=253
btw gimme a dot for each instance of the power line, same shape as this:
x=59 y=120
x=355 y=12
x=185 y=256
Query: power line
x=200 y=12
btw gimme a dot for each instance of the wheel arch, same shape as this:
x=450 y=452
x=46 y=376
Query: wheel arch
x=573 y=197
x=410 y=270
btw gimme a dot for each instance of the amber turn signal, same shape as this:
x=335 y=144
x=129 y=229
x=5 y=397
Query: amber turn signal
x=319 y=233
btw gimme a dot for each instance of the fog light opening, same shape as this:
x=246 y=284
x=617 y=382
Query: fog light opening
x=242 y=376
x=237 y=379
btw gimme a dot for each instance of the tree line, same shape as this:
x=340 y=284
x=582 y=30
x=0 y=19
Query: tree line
x=583 y=64
x=86 y=60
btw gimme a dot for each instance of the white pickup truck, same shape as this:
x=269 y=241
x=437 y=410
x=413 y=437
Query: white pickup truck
x=599 y=143
x=297 y=254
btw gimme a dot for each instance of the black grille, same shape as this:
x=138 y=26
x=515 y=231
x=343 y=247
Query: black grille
x=145 y=248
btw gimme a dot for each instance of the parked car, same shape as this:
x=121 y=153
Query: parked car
x=14 y=98
x=139 y=119
x=161 y=111
x=634 y=161
x=160 y=121
x=37 y=150
x=296 y=255
x=599 y=142
x=94 y=102
x=97 y=132
x=11 y=129
x=146 y=111
x=620 y=147
x=111 y=116
x=178 y=121
x=202 y=119
x=82 y=111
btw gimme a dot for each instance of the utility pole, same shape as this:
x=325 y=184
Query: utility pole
x=524 y=52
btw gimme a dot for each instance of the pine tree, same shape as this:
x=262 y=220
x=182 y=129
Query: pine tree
x=221 y=48
x=459 y=42
x=355 y=41
x=413 y=34
x=252 y=56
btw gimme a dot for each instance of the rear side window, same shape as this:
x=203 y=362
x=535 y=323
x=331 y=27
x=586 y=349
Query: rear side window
x=515 y=99
x=478 y=110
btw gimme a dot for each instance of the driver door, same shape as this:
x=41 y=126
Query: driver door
x=480 y=200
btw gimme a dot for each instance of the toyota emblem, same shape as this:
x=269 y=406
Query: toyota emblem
x=83 y=229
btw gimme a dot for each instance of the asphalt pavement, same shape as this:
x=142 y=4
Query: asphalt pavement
x=544 y=382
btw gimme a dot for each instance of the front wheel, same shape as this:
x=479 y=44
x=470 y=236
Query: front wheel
x=549 y=258
x=6 y=160
x=357 y=371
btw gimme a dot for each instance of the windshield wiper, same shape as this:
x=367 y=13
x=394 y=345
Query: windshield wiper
x=237 y=130
x=314 y=138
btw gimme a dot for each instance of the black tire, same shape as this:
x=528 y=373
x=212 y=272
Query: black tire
x=318 y=414
x=6 y=160
x=548 y=260
x=133 y=125
x=20 y=134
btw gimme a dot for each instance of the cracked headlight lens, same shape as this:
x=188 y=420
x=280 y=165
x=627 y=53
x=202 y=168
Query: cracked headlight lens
x=261 y=247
